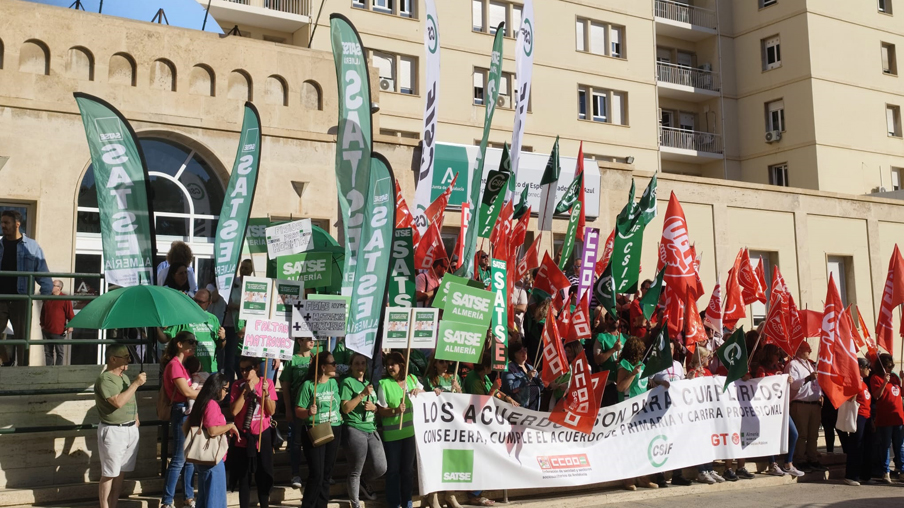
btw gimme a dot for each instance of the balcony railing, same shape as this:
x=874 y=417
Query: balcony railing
x=684 y=13
x=687 y=76
x=690 y=140
x=300 y=7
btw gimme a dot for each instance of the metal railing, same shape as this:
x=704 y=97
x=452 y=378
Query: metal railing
x=687 y=76
x=300 y=7
x=690 y=140
x=684 y=13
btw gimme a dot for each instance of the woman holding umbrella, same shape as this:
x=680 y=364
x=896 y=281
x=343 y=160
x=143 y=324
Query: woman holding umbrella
x=177 y=384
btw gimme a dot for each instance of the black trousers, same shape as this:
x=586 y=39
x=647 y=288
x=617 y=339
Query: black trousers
x=244 y=462
x=321 y=460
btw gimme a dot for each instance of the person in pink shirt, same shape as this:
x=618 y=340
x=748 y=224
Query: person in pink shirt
x=177 y=384
x=209 y=417
x=246 y=403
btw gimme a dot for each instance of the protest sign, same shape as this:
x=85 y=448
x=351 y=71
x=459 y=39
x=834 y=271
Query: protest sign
x=500 y=314
x=439 y=301
x=288 y=293
x=423 y=328
x=460 y=342
x=465 y=442
x=401 y=280
x=333 y=298
x=255 y=301
x=396 y=325
x=289 y=238
x=468 y=305
x=267 y=339
x=319 y=318
x=314 y=269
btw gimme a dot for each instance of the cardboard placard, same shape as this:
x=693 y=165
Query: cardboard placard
x=288 y=293
x=468 y=305
x=289 y=238
x=255 y=300
x=319 y=318
x=396 y=327
x=267 y=339
x=460 y=342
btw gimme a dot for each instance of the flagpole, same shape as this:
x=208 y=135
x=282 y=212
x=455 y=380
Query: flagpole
x=264 y=402
x=753 y=351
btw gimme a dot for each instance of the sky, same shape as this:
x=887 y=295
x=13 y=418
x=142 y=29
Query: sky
x=181 y=13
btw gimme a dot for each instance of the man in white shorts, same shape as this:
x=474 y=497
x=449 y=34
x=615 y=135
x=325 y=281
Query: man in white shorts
x=117 y=434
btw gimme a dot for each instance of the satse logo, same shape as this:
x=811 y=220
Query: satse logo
x=250 y=143
x=108 y=129
x=458 y=466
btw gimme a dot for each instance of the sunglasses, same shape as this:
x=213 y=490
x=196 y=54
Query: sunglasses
x=245 y=369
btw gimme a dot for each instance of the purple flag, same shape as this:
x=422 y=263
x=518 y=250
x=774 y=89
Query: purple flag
x=588 y=260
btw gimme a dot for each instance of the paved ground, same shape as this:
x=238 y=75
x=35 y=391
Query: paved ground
x=807 y=495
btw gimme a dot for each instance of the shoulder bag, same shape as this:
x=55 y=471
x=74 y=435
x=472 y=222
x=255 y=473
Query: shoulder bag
x=204 y=450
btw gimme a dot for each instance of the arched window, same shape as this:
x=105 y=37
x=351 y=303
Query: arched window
x=122 y=70
x=202 y=81
x=34 y=57
x=239 y=86
x=163 y=75
x=311 y=96
x=276 y=91
x=80 y=64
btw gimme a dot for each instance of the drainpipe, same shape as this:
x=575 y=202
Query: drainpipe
x=721 y=91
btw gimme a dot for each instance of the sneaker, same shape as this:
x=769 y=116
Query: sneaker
x=852 y=483
x=703 y=477
x=744 y=474
x=715 y=476
x=793 y=471
x=680 y=480
x=365 y=491
x=296 y=482
x=189 y=503
x=730 y=475
x=886 y=478
x=775 y=470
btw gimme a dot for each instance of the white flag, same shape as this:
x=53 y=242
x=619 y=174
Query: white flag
x=424 y=186
x=524 y=64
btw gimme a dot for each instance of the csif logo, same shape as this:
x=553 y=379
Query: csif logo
x=458 y=466
x=432 y=35
x=527 y=30
x=109 y=129
x=659 y=450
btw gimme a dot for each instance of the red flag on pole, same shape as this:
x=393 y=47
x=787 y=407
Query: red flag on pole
x=520 y=230
x=582 y=219
x=404 y=219
x=502 y=232
x=462 y=231
x=549 y=277
x=429 y=249
x=747 y=277
x=693 y=327
x=812 y=323
x=603 y=261
x=838 y=372
x=892 y=296
x=579 y=407
x=675 y=253
x=761 y=281
x=871 y=348
x=674 y=312
x=777 y=328
x=437 y=208
x=713 y=316
x=734 y=300
x=531 y=258
x=564 y=321
x=554 y=361
x=580 y=321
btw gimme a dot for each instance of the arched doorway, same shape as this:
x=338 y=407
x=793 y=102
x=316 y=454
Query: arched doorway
x=187 y=198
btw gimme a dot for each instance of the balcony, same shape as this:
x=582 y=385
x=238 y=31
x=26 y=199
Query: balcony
x=683 y=21
x=686 y=83
x=280 y=15
x=683 y=145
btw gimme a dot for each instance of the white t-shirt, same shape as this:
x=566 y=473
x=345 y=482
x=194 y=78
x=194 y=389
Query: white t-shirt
x=519 y=297
x=672 y=374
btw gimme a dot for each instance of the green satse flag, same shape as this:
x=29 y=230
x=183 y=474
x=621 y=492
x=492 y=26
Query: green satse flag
x=401 y=283
x=354 y=140
x=571 y=194
x=491 y=93
x=660 y=356
x=605 y=291
x=522 y=206
x=548 y=183
x=499 y=322
x=237 y=204
x=733 y=355
x=628 y=243
x=570 y=234
x=493 y=195
x=120 y=176
x=649 y=301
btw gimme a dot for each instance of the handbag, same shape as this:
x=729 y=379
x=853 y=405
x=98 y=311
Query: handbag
x=847 y=415
x=276 y=437
x=204 y=450
x=164 y=404
x=321 y=434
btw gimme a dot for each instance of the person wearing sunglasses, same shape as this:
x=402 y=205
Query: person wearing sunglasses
x=290 y=380
x=439 y=379
x=177 y=385
x=319 y=403
x=483 y=274
x=117 y=432
x=210 y=335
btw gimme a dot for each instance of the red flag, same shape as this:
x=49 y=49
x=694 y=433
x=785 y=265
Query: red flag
x=437 y=208
x=404 y=219
x=502 y=232
x=892 y=296
x=713 y=316
x=871 y=348
x=693 y=327
x=429 y=249
x=554 y=361
x=761 y=280
x=603 y=262
x=674 y=312
x=579 y=407
x=462 y=231
x=750 y=285
x=549 y=278
x=812 y=322
x=777 y=329
x=858 y=340
x=582 y=220
x=580 y=321
x=564 y=321
x=697 y=289
x=838 y=372
x=675 y=253
x=734 y=300
x=520 y=230
x=531 y=258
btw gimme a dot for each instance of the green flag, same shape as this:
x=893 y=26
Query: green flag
x=522 y=206
x=491 y=93
x=628 y=243
x=733 y=355
x=571 y=195
x=605 y=291
x=570 y=234
x=121 y=180
x=649 y=301
x=237 y=204
x=660 y=356
x=493 y=198
x=548 y=183
x=401 y=283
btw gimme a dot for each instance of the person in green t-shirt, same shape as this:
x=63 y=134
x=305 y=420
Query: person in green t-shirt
x=290 y=381
x=607 y=348
x=362 y=443
x=209 y=334
x=438 y=378
x=484 y=274
x=322 y=408
x=477 y=382
x=629 y=385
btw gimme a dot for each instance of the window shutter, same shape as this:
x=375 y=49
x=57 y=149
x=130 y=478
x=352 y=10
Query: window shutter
x=497 y=14
x=478 y=79
x=384 y=62
x=407 y=73
x=885 y=66
x=616 y=42
x=597 y=38
x=618 y=108
x=579 y=35
x=890 y=120
x=477 y=14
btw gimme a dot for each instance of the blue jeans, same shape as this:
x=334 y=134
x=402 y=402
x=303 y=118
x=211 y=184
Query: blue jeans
x=212 y=486
x=399 y=471
x=853 y=446
x=891 y=436
x=792 y=443
x=177 y=463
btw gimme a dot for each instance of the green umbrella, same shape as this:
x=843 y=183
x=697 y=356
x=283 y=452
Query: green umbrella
x=139 y=307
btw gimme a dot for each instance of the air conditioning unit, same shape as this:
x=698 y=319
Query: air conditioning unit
x=773 y=136
x=386 y=84
x=504 y=101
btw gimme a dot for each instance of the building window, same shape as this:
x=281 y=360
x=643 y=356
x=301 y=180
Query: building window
x=403 y=8
x=507 y=87
x=767 y=3
x=769 y=260
x=772 y=53
x=487 y=14
x=606 y=106
x=842 y=270
x=398 y=73
x=775 y=116
x=885 y=6
x=889 y=59
x=897 y=178
x=599 y=38
x=893 y=120
x=26 y=227
x=778 y=175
